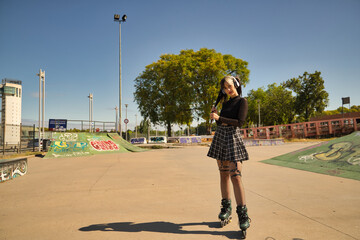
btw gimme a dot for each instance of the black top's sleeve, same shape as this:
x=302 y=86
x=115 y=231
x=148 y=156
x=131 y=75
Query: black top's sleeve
x=241 y=117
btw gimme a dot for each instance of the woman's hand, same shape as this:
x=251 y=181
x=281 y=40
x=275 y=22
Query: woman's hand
x=214 y=116
x=214 y=113
x=214 y=110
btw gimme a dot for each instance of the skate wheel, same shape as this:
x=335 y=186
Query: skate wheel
x=243 y=234
x=223 y=223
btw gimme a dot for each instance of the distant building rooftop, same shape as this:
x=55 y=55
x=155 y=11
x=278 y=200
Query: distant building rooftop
x=7 y=80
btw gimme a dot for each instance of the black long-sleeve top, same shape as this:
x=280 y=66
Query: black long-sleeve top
x=233 y=112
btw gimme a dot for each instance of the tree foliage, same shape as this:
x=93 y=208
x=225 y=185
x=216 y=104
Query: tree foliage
x=339 y=110
x=276 y=105
x=311 y=96
x=178 y=88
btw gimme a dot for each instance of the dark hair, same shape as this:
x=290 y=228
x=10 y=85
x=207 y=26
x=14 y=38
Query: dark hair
x=233 y=79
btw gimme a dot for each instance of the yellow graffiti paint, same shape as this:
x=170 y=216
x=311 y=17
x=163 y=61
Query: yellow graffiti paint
x=335 y=152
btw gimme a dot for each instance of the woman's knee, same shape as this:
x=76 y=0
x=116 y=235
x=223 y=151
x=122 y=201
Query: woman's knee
x=225 y=175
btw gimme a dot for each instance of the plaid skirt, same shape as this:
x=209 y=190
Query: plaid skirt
x=227 y=145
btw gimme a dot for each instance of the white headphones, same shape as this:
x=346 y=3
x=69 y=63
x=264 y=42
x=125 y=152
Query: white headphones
x=236 y=84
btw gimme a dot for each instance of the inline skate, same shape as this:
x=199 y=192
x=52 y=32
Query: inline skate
x=225 y=213
x=244 y=220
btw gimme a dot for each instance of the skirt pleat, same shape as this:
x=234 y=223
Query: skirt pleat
x=227 y=145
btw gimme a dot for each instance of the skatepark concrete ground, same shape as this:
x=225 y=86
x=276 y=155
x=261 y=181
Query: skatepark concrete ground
x=174 y=194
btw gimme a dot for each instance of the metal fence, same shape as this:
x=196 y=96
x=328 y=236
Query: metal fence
x=86 y=125
x=25 y=138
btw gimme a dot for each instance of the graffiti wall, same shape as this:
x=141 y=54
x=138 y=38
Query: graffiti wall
x=12 y=168
x=123 y=143
x=263 y=142
x=84 y=144
x=140 y=140
x=159 y=139
x=81 y=144
x=341 y=151
x=187 y=140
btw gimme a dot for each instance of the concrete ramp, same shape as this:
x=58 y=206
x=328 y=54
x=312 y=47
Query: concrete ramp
x=122 y=142
x=82 y=144
x=338 y=157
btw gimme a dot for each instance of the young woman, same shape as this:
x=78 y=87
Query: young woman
x=229 y=150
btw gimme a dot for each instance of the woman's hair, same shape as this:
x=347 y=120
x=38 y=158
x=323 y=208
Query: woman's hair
x=231 y=80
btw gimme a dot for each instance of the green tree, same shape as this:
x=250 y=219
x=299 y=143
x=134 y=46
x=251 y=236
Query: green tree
x=355 y=108
x=254 y=98
x=144 y=126
x=162 y=95
x=206 y=68
x=178 y=87
x=276 y=105
x=311 y=96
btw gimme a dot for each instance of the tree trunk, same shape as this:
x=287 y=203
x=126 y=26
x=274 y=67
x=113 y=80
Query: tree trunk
x=168 y=124
x=208 y=127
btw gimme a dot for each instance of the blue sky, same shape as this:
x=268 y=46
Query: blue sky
x=76 y=43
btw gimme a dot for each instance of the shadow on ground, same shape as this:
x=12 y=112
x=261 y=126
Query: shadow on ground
x=161 y=227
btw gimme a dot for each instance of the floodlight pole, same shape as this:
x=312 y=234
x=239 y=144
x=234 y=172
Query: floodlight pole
x=117 y=19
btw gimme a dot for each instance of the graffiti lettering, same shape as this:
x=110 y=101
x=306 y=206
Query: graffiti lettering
x=11 y=170
x=307 y=158
x=341 y=150
x=141 y=140
x=63 y=147
x=68 y=137
x=335 y=152
x=190 y=139
x=354 y=157
x=104 y=145
x=157 y=139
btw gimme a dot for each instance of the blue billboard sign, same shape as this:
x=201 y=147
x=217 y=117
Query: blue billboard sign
x=57 y=124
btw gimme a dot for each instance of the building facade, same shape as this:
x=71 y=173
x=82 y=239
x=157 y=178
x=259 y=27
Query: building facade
x=11 y=94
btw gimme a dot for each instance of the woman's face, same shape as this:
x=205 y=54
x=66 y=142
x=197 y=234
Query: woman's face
x=230 y=89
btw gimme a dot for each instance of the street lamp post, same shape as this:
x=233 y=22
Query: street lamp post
x=117 y=19
x=126 y=122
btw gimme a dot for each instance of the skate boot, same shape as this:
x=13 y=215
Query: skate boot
x=225 y=214
x=244 y=220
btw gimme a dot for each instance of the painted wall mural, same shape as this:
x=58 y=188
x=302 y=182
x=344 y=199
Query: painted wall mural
x=10 y=169
x=84 y=144
x=347 y=151
x=104 y=145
